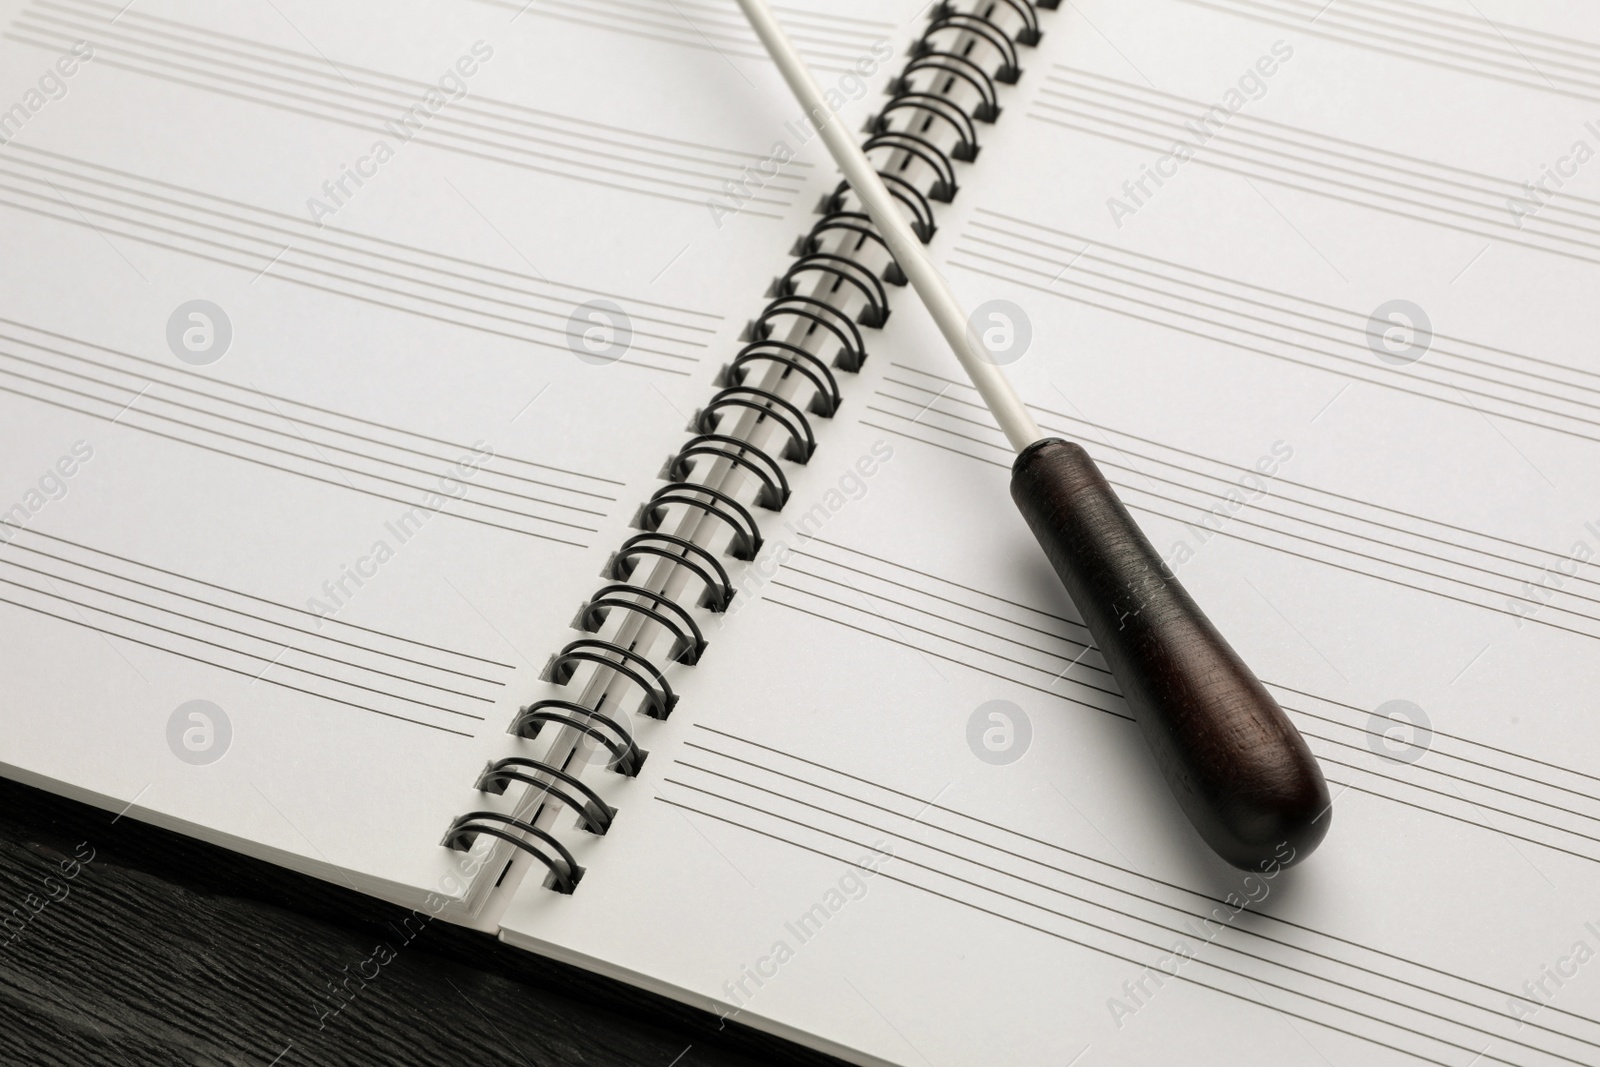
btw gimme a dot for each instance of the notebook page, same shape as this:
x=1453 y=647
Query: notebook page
x=901 y=812
x=340 y=343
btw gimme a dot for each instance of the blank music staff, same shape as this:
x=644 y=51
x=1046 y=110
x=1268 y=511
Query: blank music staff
x=1282 y=327
x=372 y=270
x=309 y=442
x=1365 y=176
x=1468 y=567
x=1490 y=787
x=830 y=42
x=355 y=667
x=301 y=83
x=1455 y=39
x=1391 y=999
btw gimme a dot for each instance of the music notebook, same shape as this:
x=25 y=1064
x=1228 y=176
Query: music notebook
x=479 y=453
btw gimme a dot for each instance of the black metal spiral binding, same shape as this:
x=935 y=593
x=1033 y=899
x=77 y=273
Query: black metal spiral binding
x=943 y=189
x=902 y=190
x=596 y=813
x=936 y=107
x=741 y=453
x=802 y=442
x=564 y=870
x=957 y=66
x=852 y=350
x=980 y=26
x=876 y=312
x=965 y=52
x=827 y=398
x=659 y=697
x=859 y=224
x=626 y=757
x=746 y=543
x=683 y=553
x=691 y=640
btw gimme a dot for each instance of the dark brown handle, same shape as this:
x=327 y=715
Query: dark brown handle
x=1237 y=765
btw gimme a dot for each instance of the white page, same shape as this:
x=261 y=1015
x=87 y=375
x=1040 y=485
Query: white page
x=1391 y=545
x=383 y=325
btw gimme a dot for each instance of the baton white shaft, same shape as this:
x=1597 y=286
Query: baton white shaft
x=1002 y=400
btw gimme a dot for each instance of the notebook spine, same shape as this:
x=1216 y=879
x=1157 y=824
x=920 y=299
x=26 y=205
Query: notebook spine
x=643 y=622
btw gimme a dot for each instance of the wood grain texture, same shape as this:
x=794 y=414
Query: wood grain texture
x=1239 y=768
x=164 y=951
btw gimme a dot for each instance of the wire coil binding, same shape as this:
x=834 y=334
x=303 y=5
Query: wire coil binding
x=810 y=328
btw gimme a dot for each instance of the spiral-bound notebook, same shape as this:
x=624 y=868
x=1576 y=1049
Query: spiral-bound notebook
x=478 y=453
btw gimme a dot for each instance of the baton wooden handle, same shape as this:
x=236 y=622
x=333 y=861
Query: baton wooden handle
x=1239 y=768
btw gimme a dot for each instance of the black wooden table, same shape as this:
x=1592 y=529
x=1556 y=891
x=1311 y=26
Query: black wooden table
x=124 y=944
